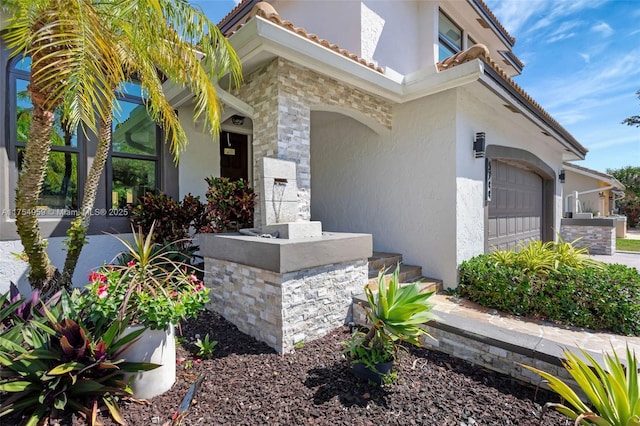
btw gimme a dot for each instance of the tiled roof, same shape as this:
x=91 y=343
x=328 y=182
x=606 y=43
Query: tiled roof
x=481 y=51
x=495 y=21
x=267 y=11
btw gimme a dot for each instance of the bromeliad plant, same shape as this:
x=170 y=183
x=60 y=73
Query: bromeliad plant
x=395 y=314
x=53 y=362
x=613 y=390
x=151 y=286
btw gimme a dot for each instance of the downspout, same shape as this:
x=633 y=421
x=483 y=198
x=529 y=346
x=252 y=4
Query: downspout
x=577 y=194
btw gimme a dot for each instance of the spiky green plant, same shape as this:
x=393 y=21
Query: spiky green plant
x=395 y=314
x=52 y=362
x=613 y=390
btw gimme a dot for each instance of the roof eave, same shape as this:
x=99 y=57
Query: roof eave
x=260 y=37
x=594 y=174
x=525 y=106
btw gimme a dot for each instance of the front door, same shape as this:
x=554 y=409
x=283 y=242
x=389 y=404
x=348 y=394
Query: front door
x=233 y=156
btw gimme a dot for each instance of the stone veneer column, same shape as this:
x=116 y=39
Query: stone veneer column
x=282 y=95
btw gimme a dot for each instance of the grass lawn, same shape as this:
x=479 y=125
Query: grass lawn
x=627 y=244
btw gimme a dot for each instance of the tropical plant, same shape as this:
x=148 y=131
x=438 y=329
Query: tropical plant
x=53 y=362
x=177 y=218
x=151 y=289
x=81 y=53
x=612 y=389
x=230 y=204
x=395 y=314
x=537 y=257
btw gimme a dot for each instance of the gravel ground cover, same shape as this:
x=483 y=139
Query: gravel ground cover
x=247 y=383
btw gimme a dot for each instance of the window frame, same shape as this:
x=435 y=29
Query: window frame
x=159 y=158
x=167 y=177
x=13 y=75
x=444 y=42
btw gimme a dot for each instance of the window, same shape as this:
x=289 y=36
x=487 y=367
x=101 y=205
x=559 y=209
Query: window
x=449 y=37
x=135 y=150
x=60 y=191
x=136 y=163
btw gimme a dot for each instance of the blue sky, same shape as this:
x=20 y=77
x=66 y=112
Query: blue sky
x=582 y=64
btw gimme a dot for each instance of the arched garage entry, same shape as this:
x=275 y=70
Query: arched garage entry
x=522 y=199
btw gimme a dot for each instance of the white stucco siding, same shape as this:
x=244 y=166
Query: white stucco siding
x=200 y=159
x=335 y=21
x=100 y=249
x=399 y=187
x=397 y=34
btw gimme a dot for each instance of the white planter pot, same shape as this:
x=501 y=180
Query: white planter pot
x=158 y=347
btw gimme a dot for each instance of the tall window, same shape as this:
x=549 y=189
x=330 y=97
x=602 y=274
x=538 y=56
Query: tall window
x=62 y=180
x=449 y=37
x=133 y=167
x=135 y=149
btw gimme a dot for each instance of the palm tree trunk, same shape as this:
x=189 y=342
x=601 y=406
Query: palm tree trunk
x=42 y=274
x=77 y=233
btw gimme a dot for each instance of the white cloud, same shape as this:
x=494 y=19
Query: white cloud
x=602 y=28
x=585 y=57
x=564 y=31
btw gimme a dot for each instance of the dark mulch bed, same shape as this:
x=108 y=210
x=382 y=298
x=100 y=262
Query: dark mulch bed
x=246 y=383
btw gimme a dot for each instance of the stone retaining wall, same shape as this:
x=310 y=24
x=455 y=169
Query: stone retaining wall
x=598 y=235
x=479 y=350
x=283 y=309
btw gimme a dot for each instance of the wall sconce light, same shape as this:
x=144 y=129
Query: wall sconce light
x=237 y=120
x=601 y=194
x=561 y=176
x=478 y=145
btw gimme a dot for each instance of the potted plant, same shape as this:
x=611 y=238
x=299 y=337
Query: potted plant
x=395 y=314
x=154 y=287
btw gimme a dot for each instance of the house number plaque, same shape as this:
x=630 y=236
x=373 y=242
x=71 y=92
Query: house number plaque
x=229 y=151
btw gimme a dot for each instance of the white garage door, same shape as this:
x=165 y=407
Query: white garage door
x=515 y=209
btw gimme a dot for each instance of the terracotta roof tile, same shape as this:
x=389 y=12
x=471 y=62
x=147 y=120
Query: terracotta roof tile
x=595 y=172
x=495 y=21
x=267 y=11
x=481 y=51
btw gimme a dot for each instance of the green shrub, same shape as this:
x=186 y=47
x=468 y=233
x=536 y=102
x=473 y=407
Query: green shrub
x=602 y=297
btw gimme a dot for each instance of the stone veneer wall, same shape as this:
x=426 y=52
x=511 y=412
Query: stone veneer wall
x=478 y=350
x=598 y=239
x=283 y=95
x=284 y=309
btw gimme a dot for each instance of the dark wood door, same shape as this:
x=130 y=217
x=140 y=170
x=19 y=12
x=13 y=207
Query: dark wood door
x=234 y=163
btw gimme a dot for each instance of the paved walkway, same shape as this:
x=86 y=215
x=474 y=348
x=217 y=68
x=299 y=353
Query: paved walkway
x=628 y=258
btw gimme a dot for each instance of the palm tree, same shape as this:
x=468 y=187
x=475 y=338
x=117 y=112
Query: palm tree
x=81 y=52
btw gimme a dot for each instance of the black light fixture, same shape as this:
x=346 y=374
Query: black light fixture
x=561 y=176
x=237 y=120
x=478 y=145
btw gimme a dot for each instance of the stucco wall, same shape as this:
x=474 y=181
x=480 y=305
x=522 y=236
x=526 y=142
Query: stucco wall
x=201 y=158
x=478 y=111
x=372 y=29
x=101 y=249
x=589 y=202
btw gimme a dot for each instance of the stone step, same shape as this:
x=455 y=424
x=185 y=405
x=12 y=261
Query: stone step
x=408 y=273
x=381 y=260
